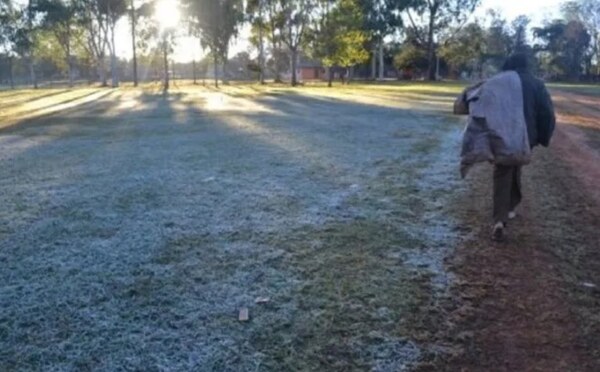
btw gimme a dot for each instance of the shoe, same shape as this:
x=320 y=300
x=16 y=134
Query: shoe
x=512 y=215
x=498 y=232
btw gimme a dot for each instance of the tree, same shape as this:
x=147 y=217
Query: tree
x=437 y=16
x=380 y=19
x=133 y=20
x=337 y=37
x=465 y=51
x=60 y=18
x=8 y=29
x=216 y=22
x=519 y=26
x=565 y=45
x=279 y=59
x=112 y=10
x=25 y=39
x=295 y=17
x=95 y=35
x=588 y=13
x=411 y=59
x=7 y=23
x=498 y=41
x=256 y=10
x=99 y=19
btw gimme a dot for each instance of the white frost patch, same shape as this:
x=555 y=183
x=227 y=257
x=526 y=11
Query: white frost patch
x=134 y=240
x=13 y=145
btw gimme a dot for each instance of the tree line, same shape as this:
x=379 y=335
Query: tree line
x=415 y=38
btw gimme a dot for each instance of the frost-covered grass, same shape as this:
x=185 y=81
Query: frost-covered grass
x=134 y=229
x=18 y=105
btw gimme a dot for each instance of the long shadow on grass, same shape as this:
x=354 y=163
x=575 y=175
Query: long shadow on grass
x=165 y=225
x=53 y=92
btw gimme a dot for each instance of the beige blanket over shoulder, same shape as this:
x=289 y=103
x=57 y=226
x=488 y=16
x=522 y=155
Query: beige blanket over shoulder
x=496 y=130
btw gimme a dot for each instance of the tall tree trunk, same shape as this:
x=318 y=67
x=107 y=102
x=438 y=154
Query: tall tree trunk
x=10 y=72
x=166 y=64
x=261 y=57
x=294 y=64
x=102 y=72
x=276 y=64
x=133 y=46
x=350 y=75
x=224 y=78
x=381 y=64
x=329 y=76
x=113 y=59
x=69 y=65
x=70 y=72
x=374 y=63
x=597 y=52
x=32 y=71
x=430 y=48
x=30 y=51
x=216 y=69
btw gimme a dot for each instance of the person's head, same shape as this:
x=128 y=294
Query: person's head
x=516 y=62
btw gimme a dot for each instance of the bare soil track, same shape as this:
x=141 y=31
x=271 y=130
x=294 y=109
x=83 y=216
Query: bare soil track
x=533 y=303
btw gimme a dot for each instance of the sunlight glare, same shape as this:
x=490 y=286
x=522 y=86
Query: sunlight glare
x=167 y=14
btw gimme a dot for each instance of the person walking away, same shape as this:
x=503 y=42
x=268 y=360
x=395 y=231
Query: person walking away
x=499 y=134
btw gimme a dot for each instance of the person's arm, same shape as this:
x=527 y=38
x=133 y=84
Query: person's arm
x=546 y=119
x=461 y=104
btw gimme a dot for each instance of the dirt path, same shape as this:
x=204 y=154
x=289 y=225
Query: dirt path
x=533 y=303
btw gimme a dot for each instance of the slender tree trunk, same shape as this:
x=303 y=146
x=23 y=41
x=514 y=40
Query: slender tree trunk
x=70 y=72
x=224 y=79
x=166 y=64
x=32 y=71
x=374 y=63
x=430 y=48
x=69 y=65
x=597 y=52
x=30 y=51
x=276 y=64
x=10 y=72
x=113 y=59
x=133 y=46
x=102 y=72
x=276 y=52
x=294 y=64
x=381 y=64
x=261 y=57
x=329 y=76
x=216 y=67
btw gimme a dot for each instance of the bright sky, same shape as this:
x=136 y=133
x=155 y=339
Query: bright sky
x=537 y=10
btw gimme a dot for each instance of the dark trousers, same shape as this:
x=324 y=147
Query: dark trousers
x=507 y=191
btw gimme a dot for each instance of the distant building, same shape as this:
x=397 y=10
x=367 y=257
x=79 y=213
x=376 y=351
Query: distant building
x=308 y=69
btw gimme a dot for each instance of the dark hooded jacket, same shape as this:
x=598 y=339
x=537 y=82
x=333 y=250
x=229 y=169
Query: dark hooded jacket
x=537 y=104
